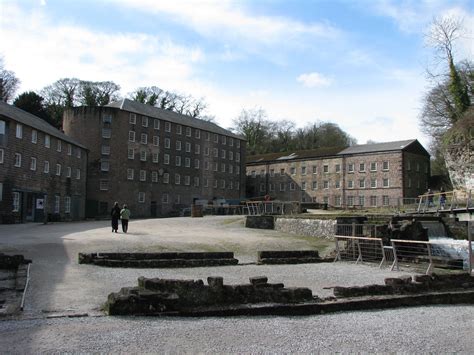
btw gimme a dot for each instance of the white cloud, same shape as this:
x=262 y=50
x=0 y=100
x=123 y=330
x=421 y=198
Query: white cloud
x=40 y=51
x=314 y=79
x=225 y=20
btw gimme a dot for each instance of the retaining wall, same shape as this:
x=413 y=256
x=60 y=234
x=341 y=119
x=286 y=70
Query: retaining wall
x=320 y=228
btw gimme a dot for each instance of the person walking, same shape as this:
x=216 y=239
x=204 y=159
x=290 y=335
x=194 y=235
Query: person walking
x=124 y=217
x=115 y=214
x=442 y=199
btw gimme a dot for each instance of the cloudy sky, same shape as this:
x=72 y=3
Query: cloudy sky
x=360 y=63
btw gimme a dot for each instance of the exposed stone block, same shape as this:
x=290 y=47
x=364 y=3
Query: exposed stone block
x=258 y=280
x=215 y=281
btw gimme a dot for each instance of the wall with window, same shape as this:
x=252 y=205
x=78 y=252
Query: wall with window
x=35 y=166
x=154 y=165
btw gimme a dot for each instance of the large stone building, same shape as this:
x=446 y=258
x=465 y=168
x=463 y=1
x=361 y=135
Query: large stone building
x=157 y=161
x=368 y=175
x=42 y=171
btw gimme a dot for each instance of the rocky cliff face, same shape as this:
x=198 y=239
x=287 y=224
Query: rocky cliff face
x=459 y=159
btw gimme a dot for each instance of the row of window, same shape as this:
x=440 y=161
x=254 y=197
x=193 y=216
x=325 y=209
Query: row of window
x=46 y=166
x=325 y=169
x=104 y=184
x=179 y=161
x=57 y=203
x=47 y=140
x=178 y=129
x=326 y=185
x=373 y=201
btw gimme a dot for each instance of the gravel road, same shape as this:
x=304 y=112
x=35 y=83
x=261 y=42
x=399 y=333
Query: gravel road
x=61 y=288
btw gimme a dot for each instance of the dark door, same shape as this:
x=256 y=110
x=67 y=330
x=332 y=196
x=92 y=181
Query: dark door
x=153 y=209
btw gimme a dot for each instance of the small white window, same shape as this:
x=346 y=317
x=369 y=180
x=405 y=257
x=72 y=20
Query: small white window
x=105 y=150
x=2 y=156
x=362 y=167
x=67 y=204
x=143 y=155
x=155 y=157
x=196 y=181
x=373 y=166
x=156 y=141
x=144 y=138
x=196 y=163
x=59 y=146
x=57 y=203
x=46 y=167
x=385 y=165
x=58 y=169
x=142 y=175
x=16 y=201
x=224 y=138
x=177 y=179
x=34 y=136
x=188 y=131
x=78 y=153
x=167 y=127
x=103 y=185
x=156 y=124
x=165 y=198
x=131 y=136
x=130 y=174
x=167 y=143
x=166 y=159
x=47 y=140
x=166 y=178
x=33 y=164
x=133 y=118
x=106 y=132
x=78 y=174
x=104 y=165
x=144 y=121
x=373 y=183
x=141 y=197
x=106 y=118
x=131 y=153
x=197 y=149
x=179 y=129
x=386 y=182
x=187 y=162
x=237 y=157
x=69 y=149
x=178 y=145
x=68 y=172
x=17 y=160
x=154 y=176
x=187 y=180
x=197 y=133
x=350 y=167
x=19 y=130
x=178 y=160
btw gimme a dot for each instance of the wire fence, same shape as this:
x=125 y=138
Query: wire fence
x=363 y=243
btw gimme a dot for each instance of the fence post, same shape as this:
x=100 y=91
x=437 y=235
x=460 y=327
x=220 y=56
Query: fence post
x=469 y=245
x=395 y=258
x=430 y=266
x=338 y=252
x=383 y=254
x=359 y=258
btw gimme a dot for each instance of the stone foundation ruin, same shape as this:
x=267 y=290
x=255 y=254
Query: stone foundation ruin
x=193 y=298
x=13 y=281
x=158 y=260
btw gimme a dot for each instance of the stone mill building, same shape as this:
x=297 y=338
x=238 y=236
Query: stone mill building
x=157 y=161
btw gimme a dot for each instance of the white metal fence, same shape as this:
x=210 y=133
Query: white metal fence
x=362 y=243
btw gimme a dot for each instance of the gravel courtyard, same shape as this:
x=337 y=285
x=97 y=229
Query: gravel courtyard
x=60 y=289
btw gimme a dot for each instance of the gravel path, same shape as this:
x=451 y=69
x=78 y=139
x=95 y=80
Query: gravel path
x=61 y=287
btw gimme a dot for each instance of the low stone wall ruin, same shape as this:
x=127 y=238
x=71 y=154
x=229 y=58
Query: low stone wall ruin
x=159 y=260
x=290 y=257
x=13 y=281
x=156 y=296
x=321 y=228
x=193 y=298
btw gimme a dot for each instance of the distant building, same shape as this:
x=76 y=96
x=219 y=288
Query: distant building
x=157 y=161
x=42 y=171
x=368 y=175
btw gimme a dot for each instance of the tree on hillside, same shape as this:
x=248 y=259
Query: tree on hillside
x=451 y=95
x=183 y=104
x=33 y=103
x=8 y=83
x=256 y=128
x=98 y=93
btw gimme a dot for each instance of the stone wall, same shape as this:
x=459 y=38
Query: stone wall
x=320 y=228
x=155 y=296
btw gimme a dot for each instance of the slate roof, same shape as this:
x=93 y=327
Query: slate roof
x=294 y=155
x=377 y=147
x=167 y=115
x=37 y=123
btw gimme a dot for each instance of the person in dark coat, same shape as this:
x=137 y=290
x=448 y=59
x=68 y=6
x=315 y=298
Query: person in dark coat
x=115 y=214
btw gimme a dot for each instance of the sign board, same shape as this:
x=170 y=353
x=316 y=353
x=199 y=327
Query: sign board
x=40 y=203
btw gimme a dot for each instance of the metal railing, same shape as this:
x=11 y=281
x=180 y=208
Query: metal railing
x=255 y=208
x=449 y=255
x=445 y=201
x=363 y=243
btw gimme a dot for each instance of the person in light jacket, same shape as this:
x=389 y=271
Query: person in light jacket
x=125 y=216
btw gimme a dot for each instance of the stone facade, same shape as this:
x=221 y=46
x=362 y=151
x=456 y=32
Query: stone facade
x=42 y=171
x=320 y=228
x=385 y=174
x=156 y=161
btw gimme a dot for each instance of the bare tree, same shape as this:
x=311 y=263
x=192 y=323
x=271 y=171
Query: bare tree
x=9 y=83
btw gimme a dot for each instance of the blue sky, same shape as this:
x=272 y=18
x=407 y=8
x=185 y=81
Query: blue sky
x=360 y=64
